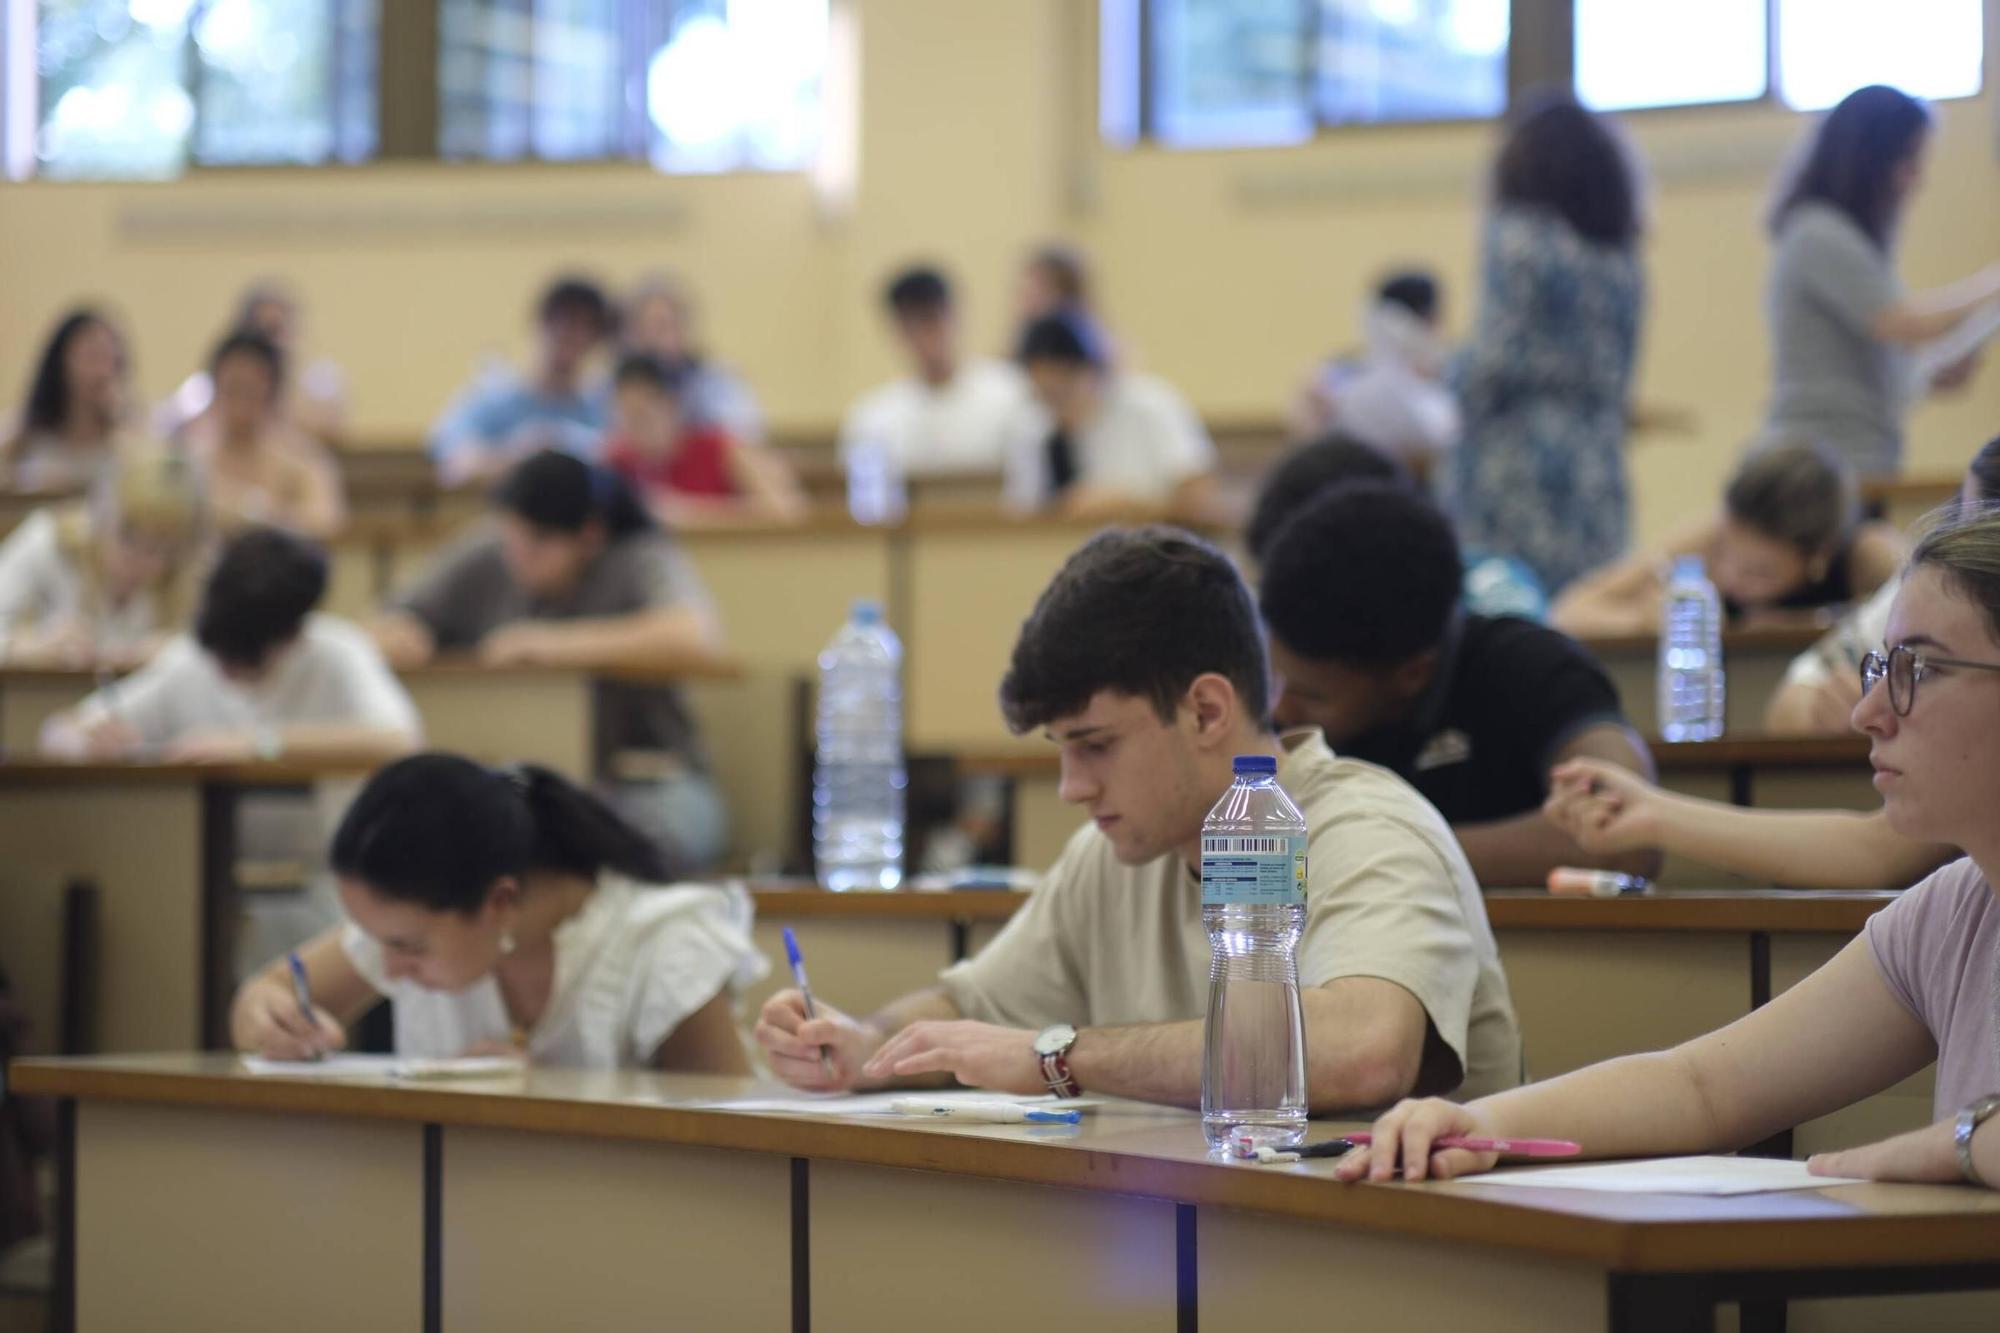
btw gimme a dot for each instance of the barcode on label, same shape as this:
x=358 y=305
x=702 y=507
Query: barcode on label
x=1240 y=846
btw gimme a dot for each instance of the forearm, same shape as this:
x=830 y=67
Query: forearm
x=642 y=643
x=308 y=741
x=1521 y=851
x=1636 y=1106
x=1151 y=1062
x=1932 y=314
x=1816 y=848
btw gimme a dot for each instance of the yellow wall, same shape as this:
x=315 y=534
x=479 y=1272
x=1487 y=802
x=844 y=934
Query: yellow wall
x=1228 y=272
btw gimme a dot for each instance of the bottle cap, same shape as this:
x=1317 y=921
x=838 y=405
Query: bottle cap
x=1262 y=764
x=1689 y=567
x=867 y=611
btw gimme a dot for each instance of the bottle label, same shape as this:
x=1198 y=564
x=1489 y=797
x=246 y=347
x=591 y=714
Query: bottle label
x=1268 y=870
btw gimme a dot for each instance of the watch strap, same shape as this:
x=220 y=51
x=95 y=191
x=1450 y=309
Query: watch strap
x=1969 y=1121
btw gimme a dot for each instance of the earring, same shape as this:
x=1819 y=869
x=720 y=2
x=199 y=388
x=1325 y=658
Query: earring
x=507 y=943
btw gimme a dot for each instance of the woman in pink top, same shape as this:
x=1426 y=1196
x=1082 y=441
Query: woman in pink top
x=1922 y=984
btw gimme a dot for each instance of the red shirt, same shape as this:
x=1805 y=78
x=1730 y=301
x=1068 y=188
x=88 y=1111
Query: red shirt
x=698 y=464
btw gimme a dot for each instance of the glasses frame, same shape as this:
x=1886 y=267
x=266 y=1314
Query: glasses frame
x=1878 y=667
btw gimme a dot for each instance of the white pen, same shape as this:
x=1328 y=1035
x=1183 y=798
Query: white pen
x=990 y=1113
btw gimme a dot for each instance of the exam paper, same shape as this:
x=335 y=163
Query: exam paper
x=1927 y=360
x=385 y=1066
x=876 y=1103
x=1669 y=1175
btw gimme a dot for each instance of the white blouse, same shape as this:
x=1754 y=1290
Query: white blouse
x=635 y=962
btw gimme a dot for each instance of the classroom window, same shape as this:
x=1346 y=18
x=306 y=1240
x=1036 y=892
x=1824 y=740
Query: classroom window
x=699 y=85
x=145 y=88
x=1212 y=73
x=1807 y=54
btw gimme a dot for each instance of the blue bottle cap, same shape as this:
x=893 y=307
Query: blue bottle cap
x=1260 y=764
x=867 y=611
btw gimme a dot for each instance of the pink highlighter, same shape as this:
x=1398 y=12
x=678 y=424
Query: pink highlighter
x=1568 y=882
x=1510 y=1147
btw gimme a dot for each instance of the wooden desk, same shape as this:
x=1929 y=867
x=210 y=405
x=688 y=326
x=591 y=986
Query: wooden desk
x=1590 y=979
x=1754 y=659
x=207 y=1199
x=158 y=844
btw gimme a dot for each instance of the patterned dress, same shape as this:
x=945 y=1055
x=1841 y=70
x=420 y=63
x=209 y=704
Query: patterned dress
x=1539 y=473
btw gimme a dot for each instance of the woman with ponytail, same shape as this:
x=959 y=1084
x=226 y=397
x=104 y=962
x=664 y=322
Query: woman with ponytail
x=510 y=910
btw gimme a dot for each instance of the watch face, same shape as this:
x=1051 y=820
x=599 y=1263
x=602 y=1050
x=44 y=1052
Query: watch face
x=1054 y=1039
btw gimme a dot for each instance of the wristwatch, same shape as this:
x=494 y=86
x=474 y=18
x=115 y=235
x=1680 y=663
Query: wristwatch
x=1052 y=1049
x=1969 y=1120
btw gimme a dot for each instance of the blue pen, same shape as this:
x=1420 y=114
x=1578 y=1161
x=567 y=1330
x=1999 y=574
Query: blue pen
x=805 y=988
x=302 y=990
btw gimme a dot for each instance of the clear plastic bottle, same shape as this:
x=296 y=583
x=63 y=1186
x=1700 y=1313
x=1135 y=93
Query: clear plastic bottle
x=1691 y=684
x=858 y=776
x=877 y=492
x=1253 y=903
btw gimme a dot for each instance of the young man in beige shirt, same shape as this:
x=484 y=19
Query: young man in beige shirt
x=1143 y=661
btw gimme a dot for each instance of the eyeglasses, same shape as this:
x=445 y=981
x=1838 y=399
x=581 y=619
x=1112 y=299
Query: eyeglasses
x=1904 y=667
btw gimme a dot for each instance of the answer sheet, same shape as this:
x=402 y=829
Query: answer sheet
x=1669 y=1175
x=874 y=1103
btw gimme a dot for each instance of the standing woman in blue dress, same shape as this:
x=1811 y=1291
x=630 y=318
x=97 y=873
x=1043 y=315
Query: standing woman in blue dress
x=1545 y=380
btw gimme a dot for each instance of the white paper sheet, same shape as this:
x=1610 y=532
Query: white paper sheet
x=875 y=1103
x=385 y=1066
x=1928 y=359
x=1669 y=1175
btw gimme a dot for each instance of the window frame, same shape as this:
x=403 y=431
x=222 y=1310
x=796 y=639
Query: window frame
x=408 y=102
x=1541 y=53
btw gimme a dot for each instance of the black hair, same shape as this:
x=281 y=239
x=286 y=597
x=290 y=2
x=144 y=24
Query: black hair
x=649 y=370
x=572 y=295
x=249 y=342
x=1851 y=159
x=1143 y=612
x=1562 y=157
x=919 y=290
x=1985 y=471
x=1799 y=492
x=1065 y=337
x=559 y=492
x=1367 y=575
x=438 y=829
x=1413 y=289
x=1066 y=269
x=1333 y=460
x=48 y=392
x=264 y=585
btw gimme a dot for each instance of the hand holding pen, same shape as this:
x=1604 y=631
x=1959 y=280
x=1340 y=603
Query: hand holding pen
x=1434 y=1139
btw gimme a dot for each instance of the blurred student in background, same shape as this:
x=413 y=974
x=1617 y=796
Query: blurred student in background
x=1545 y=379
x=315 y=399
x=260 y=676
x=952 y=414
x=76 y=403
x=1392 y=396
x=691 y=473
x=97 y=582
x=574 y=572
x=259 y=467
x=1099 y=441
x=1847 y=342
x=505 y=415
x=508 y=912
x=1789 y=538
x=657 y=318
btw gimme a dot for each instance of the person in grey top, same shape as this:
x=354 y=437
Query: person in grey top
x=573 y=572
x=1843 y=330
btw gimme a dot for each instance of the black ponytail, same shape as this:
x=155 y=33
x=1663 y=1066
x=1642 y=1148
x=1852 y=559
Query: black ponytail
x=438 y=829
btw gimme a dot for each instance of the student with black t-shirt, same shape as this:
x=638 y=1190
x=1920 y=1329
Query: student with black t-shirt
x=1361 y=596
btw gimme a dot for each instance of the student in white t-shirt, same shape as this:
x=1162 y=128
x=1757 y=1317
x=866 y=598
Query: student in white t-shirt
x=950 y=416
x=261 y=676
x=1102 y=442
x=508 y=910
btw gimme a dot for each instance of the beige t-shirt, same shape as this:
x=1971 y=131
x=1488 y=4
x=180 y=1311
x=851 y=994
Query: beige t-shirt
x=1388 y=894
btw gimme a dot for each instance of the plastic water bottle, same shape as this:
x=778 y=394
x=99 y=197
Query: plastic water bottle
x=877 y=492
x=1691 y=683
x=1253 y=903
x=858 y=777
